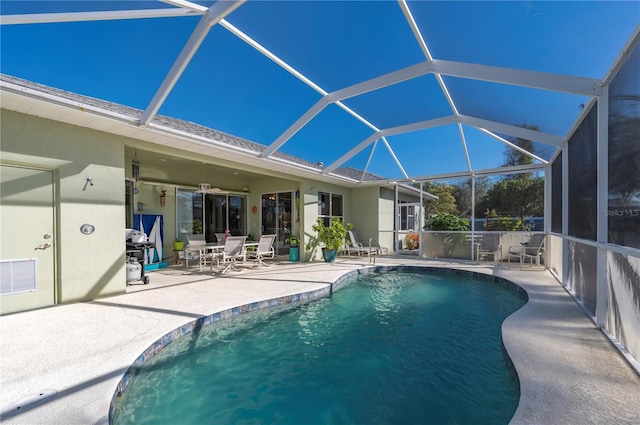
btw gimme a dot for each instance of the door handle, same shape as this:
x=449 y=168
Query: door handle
x=43 y=246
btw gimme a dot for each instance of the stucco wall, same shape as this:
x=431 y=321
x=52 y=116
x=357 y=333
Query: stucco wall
x=88 y=266
x=309 y=204
x=365 y=217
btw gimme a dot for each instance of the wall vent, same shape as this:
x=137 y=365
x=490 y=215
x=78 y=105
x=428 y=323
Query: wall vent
x=18 y=276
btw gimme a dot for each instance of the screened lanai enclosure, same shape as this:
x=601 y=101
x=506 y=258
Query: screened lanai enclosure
x=524 y=112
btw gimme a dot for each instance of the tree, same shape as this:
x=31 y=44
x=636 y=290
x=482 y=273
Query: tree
x=462 y=193
x=521 y=197
x=518 y=195
x=446 y=202
x=515 y=157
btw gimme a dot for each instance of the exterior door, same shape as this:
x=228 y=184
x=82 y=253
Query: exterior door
x=277 y=218
x=27 y=245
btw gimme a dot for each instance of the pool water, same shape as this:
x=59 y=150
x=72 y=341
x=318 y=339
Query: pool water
x=388 y=348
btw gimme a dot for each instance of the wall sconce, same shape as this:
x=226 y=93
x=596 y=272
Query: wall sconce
x=245 y=188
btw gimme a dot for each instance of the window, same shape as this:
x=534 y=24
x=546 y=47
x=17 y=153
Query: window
x=329 y=205
x=409 y=216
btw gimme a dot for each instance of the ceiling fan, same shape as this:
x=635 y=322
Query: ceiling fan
x=206 y=188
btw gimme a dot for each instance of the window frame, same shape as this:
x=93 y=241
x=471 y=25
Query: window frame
x=332 y=199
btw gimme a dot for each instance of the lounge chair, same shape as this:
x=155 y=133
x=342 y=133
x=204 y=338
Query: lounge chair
x=489 y=245
x=233 y=251
x=263 y=250
x=357 y=247
x=382 y=250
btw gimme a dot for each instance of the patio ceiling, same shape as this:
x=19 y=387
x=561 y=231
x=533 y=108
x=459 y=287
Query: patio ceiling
x=398 y=89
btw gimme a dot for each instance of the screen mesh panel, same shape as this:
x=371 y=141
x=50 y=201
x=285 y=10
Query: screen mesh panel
x=624 y=154
x=583 y=178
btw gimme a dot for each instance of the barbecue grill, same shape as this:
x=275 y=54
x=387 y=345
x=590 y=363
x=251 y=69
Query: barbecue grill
x=136 y=245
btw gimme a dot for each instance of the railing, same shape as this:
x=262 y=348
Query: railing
x=461 y=245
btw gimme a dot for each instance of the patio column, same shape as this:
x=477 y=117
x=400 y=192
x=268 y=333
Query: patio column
x=565 y=214
x=420 y=219
x=396 y=207
x=473 y=215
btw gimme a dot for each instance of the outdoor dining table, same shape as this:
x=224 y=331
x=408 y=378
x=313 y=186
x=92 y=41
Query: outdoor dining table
x=219 y=246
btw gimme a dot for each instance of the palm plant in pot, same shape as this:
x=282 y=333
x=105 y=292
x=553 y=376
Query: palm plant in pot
x=294 y=250
x=330 y=237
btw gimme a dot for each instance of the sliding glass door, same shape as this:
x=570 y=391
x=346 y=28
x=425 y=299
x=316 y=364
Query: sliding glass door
x=225 y=211
x=189 y=214
x=209 y=214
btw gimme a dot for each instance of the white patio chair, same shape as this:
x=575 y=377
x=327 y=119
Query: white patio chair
x=382 y=250
x=357 y=247
x=263 y=250
x=196 y=249
x=232 y=252
x=219 y=237
x=489 y=245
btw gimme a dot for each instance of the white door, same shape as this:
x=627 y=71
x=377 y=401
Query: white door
x=27 y=244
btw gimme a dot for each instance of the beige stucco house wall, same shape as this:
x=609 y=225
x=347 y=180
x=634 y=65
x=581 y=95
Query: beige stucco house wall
x=93 y=266
x=88 y=266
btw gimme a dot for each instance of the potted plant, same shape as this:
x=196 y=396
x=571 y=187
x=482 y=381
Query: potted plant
x=197 y=227
x=178 y=245
x=331 y=237
x=294 y=250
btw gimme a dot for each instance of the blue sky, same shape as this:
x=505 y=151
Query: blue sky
x=233 y=88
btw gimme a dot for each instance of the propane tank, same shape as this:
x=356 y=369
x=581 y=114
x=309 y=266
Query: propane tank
x=134 y=269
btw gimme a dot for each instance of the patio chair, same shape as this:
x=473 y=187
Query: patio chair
x=263 y=250
x=357 y=247
x=219 y=237
x=197 y=249
x=534 y=249
x=489 y=245
x=382 y=250
x=232 y=252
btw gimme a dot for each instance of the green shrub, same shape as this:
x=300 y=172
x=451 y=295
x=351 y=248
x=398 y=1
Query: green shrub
x=498 y=222
x=332 y=236
x=450 y=222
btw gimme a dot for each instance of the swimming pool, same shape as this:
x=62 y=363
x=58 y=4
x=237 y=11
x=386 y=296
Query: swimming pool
x=390 y=347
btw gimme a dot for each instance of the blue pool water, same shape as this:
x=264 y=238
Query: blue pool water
x=400 y=347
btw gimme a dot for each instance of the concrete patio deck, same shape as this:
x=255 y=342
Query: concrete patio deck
x=61 y=365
